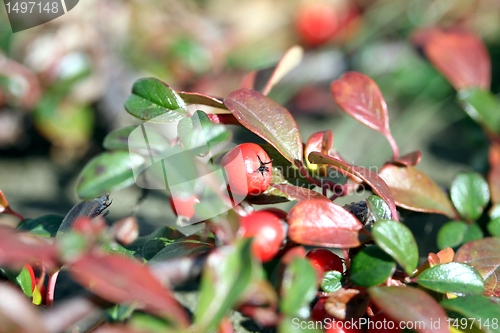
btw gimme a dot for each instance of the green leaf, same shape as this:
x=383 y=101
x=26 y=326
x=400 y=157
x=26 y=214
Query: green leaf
x=494 y=227
x=184 y=247
x=148 y=246
x=371 y=267
x=297 y=325
x=112 y=247
x=44 y=226
x=107 y=172
x=118 y=139
x=298 y=287
x=155 y=101
x=452 y=277
x=482 y=106
x=378 y=207
x=227 y=274
x=331 y=281
x=397 y=240
x=24 y=281
x=455 y=233
x=199 y=131
x=470 y=194
x=484 y=310
x=267 y=119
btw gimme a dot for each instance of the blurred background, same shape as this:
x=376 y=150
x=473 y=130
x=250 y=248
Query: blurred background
x=63 y=84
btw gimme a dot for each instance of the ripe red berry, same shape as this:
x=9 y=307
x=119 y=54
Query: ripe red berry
x=268 y=233
x=325 y=260
x=317 y=23
x=184 y=206
x=318 y=312
x=248 y=169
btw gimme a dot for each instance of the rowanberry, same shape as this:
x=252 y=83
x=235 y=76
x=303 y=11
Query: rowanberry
x=248 y=169
x=268 y=233
x=184 y=206
x=325 y=260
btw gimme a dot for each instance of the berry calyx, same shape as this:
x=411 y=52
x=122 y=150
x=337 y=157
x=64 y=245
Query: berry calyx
x=248 y=169
x=268 y=233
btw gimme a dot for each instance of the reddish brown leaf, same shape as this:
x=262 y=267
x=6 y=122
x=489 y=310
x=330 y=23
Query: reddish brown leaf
x=18 y=249
x=123 y=280
x=223 y=118
x=410 y=159
x=197 y=98
x=298 y=193
x=289 y=61
x=483 y=255
x=346 y=304
x=320 y=142
x=372 y=179
x=446 y=255
x=460 y=56
x=320 y=222
x=116 y=328
x=494 y=174
x=267 y=119
x=415 y=191
x=409 y=304
x=248 y=81
x=360 y=97
x=17 y=314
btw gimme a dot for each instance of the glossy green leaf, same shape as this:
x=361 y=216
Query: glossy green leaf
x=410 y=304
x=113 y=247
x=470 y=194
x=494 y=227
x=298 y=287
x=482 y=106
x=397 y=240
x=414 y=190
x=267 y=119
x=184 y=246
x=484 y=256
x=378 y=207
x=199 y=131
x=455 y=233
x=484 y=310
x=376 y=183
x=44 y=226
x=297 y=325
x=371 y=267
x=452 y=277
x=148 y=246
x=107 y=172
x=331 y=281
x=155 y=101
x=227 y=273
x=24 y=281
x=118 y=139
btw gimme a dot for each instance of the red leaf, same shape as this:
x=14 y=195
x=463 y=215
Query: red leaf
x=409 y=304
x=483 y=255
x=410 y=159
x=18 y=249
x=415 y=191
x=267 y=119
x=17 y=314
x=320 y=222
x=298 y=193
x=376 y=183
x=123 y=280
x=460 y=56
x=248 y=81
x=360 y=97
x=494 y=174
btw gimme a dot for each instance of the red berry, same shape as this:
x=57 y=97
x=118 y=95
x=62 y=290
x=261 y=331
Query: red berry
x=317 y=23
x=318 y=312
x=184 y=206
x=248 y=169
x=325 y=260
x=268 y=233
